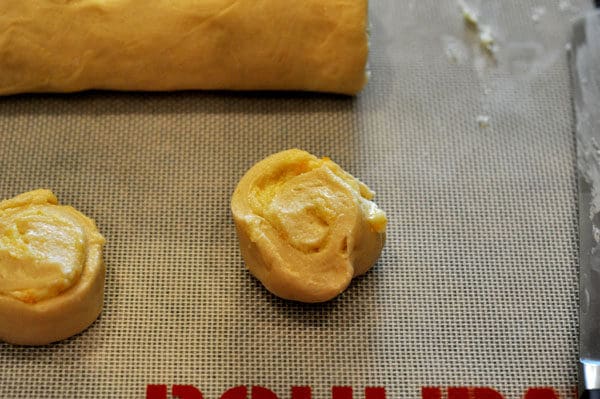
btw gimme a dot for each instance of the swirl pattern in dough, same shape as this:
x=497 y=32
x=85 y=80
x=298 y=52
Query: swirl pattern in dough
x=306 y=227
x=51 y=270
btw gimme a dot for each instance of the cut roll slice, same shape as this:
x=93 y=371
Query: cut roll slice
x=305 y=226
x=51 y=270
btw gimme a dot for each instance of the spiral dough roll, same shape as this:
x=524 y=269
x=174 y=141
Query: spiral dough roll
x=305 y=226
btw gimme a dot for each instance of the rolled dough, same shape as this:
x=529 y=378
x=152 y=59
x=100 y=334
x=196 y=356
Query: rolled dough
x=73 y=45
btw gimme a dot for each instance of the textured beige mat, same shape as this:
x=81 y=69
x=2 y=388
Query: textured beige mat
x=477 y=285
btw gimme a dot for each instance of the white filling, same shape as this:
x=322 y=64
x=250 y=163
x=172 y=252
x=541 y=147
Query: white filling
x=42 y=252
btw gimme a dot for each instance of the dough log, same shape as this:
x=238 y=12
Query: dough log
x=51 y=270
x=74 y=45
x=305 y=226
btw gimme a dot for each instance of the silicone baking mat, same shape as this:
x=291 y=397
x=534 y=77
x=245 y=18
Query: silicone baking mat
x=477 y=284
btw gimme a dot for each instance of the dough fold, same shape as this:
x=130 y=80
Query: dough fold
x=51 y=270
x=306 y=227
x=73 y=45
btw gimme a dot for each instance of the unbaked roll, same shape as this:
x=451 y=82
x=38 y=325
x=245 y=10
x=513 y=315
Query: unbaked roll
x=51 y=270
x=73 y=45
x=306 y=227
